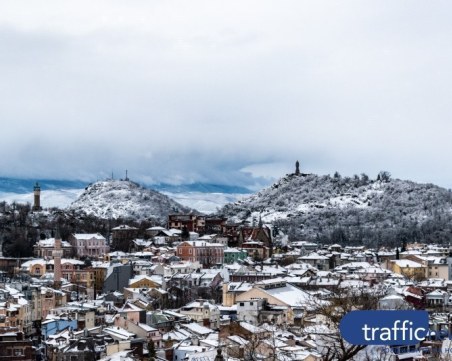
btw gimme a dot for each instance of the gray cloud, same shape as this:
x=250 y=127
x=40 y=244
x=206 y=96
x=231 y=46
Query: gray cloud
x=229 y=92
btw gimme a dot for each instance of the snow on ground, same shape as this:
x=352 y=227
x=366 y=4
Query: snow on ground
x=268 y=216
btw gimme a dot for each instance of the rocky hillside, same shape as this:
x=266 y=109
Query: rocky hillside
x=350 y=210
x=125 y=199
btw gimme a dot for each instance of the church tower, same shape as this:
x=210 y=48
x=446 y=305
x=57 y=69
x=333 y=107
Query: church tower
x=37 y=197
x=297 y=168
x=57 y=254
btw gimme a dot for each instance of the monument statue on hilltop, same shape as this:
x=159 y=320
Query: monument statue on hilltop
x=297 y=168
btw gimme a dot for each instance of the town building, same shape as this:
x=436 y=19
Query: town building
x=14 y=345
x=193 y=222
x=44 y=248
x=118 y=276
x=321 y=262
x=203 y=312
x=232 y=255
x=122 y=237
x=207 y=254
x=92 y=245
x=280 y=293
x=408 y=268
x=436 y=266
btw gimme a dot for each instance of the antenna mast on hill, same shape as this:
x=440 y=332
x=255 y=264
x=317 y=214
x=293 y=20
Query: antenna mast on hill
x=126 y=176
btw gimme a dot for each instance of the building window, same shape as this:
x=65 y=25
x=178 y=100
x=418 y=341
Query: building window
x=18 y=352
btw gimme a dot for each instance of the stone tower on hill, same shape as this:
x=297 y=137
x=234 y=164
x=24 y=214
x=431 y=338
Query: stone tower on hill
x=297 y=168
x=37 y=197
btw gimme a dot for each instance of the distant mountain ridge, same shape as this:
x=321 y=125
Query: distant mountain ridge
x=25 y=185
x=201 y=188
x=350 y=209
x=205 y=197
x=126 y=200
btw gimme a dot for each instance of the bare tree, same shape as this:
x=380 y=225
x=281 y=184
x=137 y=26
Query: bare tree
x=384 y=176
x=262 y=345
x=378 y=353
x=330 y=343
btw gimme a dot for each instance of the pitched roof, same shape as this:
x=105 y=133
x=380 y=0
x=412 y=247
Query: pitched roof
x=86 y=236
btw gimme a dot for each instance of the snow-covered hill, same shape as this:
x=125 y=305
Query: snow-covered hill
x=355 y=209
x=125 y=199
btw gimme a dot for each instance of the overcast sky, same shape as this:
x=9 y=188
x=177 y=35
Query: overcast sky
x=225 y=92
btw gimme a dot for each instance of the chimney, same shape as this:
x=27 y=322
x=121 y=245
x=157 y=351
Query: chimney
x=169 y=352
